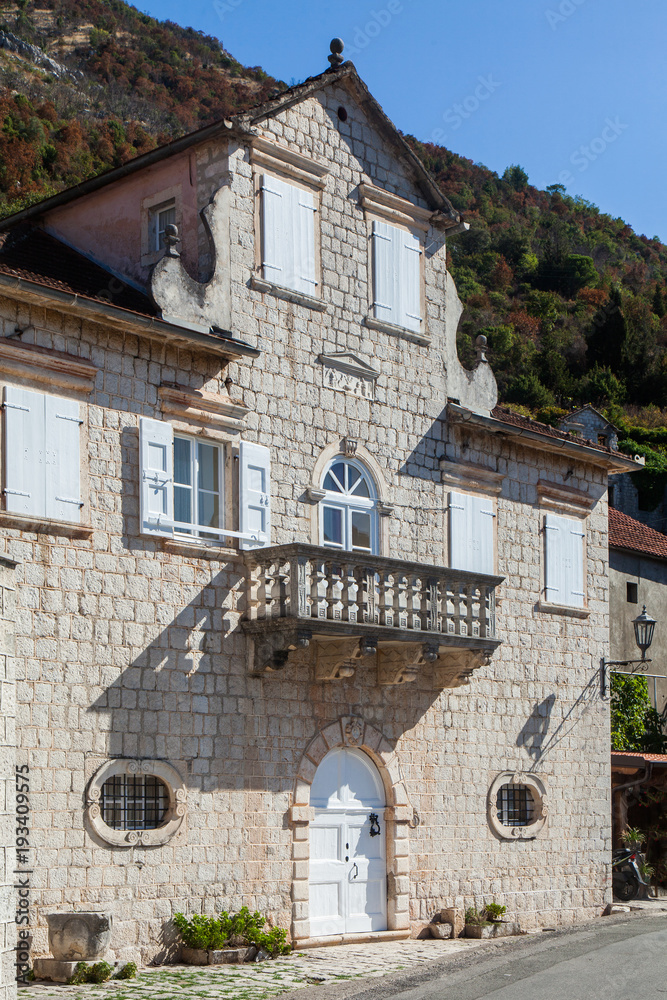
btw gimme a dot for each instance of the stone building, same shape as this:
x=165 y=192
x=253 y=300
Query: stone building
x=304 y=621
x=637 y=578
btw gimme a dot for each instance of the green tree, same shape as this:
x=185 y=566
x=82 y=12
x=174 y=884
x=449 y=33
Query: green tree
x=516 y=177
x=635 y=724
x=607 y=339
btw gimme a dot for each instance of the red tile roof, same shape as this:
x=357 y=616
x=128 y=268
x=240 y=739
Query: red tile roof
x=508 y=416
x=661 y=757
x=626 y=533
x=32 y=254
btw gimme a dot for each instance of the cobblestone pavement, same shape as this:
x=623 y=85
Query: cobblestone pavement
x=256 y=980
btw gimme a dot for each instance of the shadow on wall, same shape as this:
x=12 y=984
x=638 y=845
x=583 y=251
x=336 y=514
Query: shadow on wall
x=534 y=732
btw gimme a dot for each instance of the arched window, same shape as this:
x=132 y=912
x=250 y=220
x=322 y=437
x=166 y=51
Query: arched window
x=348 y=512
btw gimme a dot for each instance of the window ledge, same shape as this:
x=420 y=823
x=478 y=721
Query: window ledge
x=200 y=549
x=562 y=609
x=44 y=525
x=261 y=285
x=400 y=331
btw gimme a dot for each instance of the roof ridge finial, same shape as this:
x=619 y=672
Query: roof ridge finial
x=337 y=46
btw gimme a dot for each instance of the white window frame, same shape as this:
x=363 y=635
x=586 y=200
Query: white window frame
x=151 y=205
x=348 y=504
x=157 y=231
x=198 y=530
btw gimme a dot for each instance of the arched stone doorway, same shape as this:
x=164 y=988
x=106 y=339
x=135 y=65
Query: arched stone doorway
x=331 y=802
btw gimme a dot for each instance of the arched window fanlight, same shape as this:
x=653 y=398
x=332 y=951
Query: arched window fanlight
x=348 y=512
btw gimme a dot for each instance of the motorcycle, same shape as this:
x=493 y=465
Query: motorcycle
x=626 y=878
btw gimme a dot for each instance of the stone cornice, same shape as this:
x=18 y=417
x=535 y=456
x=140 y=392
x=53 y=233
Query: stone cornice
x=42 y=364
x=195 y=405
x=268 y=154
x=470 y=477
x=558 y=494
x=394 y=208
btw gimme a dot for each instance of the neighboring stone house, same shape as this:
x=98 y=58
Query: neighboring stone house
x=589 y=423
x=304 y=622
x=638 y=577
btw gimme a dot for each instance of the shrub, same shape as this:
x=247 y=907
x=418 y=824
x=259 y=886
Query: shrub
x=215 y=933
x=128 y=971
x=494 y=911
x=98 y=973
x=473 y=916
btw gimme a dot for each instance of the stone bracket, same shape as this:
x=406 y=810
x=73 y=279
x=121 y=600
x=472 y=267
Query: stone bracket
x=455 y=667
x=338 y=659
x=399 y=664
x=273 y=650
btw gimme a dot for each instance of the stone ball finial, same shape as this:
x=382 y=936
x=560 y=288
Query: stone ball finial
x=171 y=238
x=480 y=346
x=336 y=58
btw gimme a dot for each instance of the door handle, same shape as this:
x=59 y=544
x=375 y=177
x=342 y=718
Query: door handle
x=357 y=871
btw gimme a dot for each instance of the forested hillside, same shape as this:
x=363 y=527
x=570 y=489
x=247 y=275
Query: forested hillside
x=573 y=302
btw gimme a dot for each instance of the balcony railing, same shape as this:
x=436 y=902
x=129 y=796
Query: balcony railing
x=326 y=593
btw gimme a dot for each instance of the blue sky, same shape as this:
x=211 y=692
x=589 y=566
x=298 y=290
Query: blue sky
x=573 y=90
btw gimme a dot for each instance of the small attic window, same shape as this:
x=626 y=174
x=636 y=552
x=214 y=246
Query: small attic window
x=342 y=114
x=161 y=216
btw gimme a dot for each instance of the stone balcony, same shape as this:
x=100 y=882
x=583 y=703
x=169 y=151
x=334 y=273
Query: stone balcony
x=342 y=611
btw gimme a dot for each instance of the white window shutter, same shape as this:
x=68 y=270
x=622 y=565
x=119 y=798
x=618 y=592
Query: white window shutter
x=460 y=530
x=471 y=533
x=277 y=211
x=484 y=533
x=25 y=451
x=255 y=494
x=575 y=569
x=555 y=583
x=156 y=459
x=386 y=274
x=62 y=461
x=303 y=221
x=410 y=271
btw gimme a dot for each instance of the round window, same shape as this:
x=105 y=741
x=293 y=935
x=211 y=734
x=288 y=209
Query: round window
x=136 y=802
x=517 y=806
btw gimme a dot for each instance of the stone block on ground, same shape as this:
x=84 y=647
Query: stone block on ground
x=441 y=931
x=79 y=936
x=55 y=969
x=455 y=916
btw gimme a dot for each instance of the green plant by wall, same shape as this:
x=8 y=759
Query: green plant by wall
x=215 y=933
x=494 y=911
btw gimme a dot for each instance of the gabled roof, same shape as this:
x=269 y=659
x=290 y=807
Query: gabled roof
x=242 y=126
x=591 y=409
x=626 y=533
x=30 y=253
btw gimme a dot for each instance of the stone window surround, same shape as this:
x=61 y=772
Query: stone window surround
x=384 y=206
x=218 y=418
x=149 y=256
x=540 y=798
x=399 y=818
x=50 y=372
x=301 y=171
x=176 y=809
x=349 y=448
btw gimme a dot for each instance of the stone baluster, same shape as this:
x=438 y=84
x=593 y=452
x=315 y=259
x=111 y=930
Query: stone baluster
x=385 y=599
x=318 y=590
x=470 y=608
x=331 y=595
x=432 y=616
x=400 y=600
x=348 y=592
x=415 y=602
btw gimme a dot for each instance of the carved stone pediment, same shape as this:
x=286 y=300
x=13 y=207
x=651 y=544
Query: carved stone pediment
x=345 y=372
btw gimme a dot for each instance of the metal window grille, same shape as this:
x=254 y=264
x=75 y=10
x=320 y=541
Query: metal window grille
x=134 y=802
x=516 y=806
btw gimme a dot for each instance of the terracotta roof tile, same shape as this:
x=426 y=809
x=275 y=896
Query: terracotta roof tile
x=508 y=416
x=626 y=533
x=655 y=758
x=32 y=254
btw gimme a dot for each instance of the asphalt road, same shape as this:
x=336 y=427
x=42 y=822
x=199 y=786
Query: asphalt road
x=610 y=959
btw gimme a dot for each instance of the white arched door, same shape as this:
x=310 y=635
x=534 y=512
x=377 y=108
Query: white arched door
x=348 y=872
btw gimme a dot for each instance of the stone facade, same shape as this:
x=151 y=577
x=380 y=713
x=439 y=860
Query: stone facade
x=131 y=646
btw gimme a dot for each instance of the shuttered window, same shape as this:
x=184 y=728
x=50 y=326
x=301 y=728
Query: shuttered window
x=397 y=276
x=288 y=235
x=471 y=533
x=564 y=558
x=42 y=449
x=182 y=491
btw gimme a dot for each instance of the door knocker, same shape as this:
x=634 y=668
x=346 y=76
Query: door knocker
x=375 y=825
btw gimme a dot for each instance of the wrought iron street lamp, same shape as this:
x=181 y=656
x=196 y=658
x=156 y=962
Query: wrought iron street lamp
x=644 y=627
